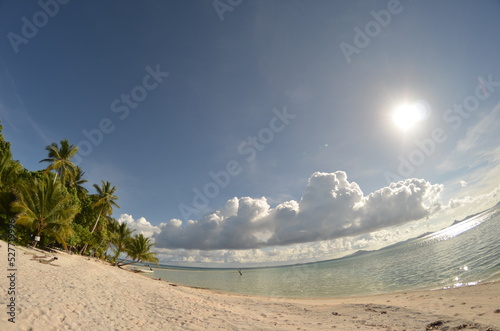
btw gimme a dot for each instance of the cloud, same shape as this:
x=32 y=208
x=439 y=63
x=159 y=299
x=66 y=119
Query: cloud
x=479 y=148
x=296 y=253
x=140 y=225
x=474 y=163
x=331 y=207
x=482 y=132
x=479 y=202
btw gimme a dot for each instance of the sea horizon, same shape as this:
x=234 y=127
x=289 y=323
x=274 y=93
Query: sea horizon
x=188 y=265
x=380 y=271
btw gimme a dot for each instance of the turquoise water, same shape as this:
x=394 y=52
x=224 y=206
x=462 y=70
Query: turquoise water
x=464 y=254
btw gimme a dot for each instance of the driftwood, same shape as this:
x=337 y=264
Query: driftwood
x=46 y=261
x=39 y=257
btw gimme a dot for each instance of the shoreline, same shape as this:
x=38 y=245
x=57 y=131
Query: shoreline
x=77 y=293
x=480 y=283
x=489 y=280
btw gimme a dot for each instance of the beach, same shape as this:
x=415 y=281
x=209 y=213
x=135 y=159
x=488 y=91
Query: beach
x=80 y=293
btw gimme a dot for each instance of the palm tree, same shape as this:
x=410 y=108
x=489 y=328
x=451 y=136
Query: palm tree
x=138 y=249
x=9 y=175
x=104 y=204
x=45 y=206
x=106 y=200
x=78 y=181
x=122 y=236
x=60 y=159
x=9 y=169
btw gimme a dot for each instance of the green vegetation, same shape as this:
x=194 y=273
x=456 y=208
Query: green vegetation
x=105 y=202
x=138 y=249
x=60 y=159
x=121 y=239
x=52 y=208
x=45 y=206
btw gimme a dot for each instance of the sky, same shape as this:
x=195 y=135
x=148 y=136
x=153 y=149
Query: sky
x=263 y=132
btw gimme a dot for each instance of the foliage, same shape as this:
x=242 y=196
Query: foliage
x=104 y=203
x=44 y=206
x=10 y=174
x=139 y=250
x=55 y=205
x=87 y=213
x=121 y=239
x=77 y=183
x=60 y=159
x=107 y=198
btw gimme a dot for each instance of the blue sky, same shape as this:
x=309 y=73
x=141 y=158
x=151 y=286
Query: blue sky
x=278 y=71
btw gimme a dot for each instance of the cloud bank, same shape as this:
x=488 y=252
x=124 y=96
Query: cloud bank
x=140 y=225
x=331 y=207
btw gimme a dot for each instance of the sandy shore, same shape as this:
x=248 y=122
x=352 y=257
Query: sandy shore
x=80 y=294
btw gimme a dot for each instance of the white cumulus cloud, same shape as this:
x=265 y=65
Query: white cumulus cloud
x=331 y=207
x=140 y=225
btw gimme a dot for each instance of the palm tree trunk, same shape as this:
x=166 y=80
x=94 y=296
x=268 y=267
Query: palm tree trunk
x=121 y=265
x=117 y=254
x=93 y=229
x=39 y=231
x=97 y=221
x=84 y=249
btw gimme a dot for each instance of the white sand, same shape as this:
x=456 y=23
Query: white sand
x=82 y=294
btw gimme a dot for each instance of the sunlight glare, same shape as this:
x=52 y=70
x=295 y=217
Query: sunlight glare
x=406 y=116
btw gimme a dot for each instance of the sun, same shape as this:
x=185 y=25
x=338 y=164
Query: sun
x=407 y=116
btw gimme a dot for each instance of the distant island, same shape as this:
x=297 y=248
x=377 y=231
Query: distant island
x=473 y=215
x=364 y=252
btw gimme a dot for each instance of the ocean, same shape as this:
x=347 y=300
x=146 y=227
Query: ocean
x=467 y=253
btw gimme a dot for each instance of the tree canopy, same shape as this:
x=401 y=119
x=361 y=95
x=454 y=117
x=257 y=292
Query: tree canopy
x=55 y=205
x=45 y=206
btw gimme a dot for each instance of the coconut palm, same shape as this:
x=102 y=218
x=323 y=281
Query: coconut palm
x=9 y=174
x=60 y=159
x=44 y=206
x=139 y=250
x=121 y=238
x=104 y=204
x=106 y=200
x=78 y=181
x=9 y=169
